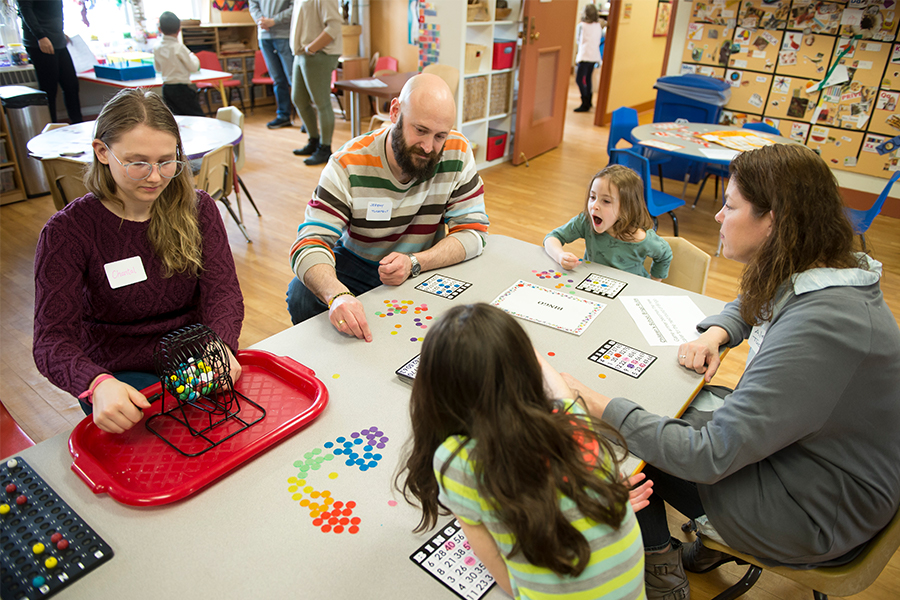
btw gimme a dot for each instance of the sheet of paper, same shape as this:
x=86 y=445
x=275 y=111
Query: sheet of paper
x=82 y=57
x=660 y=145
x=368 y=83
x=719 y=154
x=664 y=320
x=548 y=307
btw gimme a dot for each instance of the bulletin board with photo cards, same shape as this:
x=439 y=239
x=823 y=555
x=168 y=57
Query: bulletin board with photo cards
x=770 y=52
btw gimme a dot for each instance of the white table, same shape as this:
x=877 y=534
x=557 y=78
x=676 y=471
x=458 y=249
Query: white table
x=245 y=537
x=202 y=76
x=199 y=135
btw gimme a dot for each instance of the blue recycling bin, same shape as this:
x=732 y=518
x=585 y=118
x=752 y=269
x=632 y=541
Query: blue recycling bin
x=696 y=98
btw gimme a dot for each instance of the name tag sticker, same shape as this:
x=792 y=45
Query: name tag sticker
x=378 y=211
x=125 y=272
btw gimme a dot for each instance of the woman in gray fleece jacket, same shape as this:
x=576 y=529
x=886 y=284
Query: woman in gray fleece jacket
x=801 y=464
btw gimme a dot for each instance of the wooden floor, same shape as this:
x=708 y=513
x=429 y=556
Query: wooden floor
x=522 y=202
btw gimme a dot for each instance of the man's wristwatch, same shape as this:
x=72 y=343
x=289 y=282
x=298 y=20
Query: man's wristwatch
x=415 y=267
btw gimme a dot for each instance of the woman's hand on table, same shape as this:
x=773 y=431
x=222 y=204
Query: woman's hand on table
x=595 y=402
x=234 y=367
x=117 y=406
x=348 y=316
x=638 y=493
x=702 y=354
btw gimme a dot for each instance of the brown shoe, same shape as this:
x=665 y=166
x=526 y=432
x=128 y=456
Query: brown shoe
x=664 y=576
x=697 y=558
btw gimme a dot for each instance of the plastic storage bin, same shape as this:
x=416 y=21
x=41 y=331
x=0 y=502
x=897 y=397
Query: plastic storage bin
x=696 y=98
x=504 y=54
x=124 y=72
x=496 y=144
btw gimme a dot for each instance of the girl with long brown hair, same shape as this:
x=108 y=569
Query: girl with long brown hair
x=532 y=479
x=800 y=463
x=140 y=255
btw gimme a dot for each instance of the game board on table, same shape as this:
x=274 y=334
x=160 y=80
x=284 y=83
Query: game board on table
x=46 y=545
x=139 y=468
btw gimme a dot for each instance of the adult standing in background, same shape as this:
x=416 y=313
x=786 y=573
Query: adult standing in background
x=273 y=17
x=587 y=35
x=316 y=43
x=45 y=43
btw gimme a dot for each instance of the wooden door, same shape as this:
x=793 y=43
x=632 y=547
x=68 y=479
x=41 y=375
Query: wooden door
x=544 y=69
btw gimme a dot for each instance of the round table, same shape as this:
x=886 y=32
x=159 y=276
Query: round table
x=691 y=146
x=199 y=135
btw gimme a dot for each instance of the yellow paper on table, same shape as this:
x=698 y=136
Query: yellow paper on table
x=737 y=140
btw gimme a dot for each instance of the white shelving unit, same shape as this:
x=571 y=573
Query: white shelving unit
x=456 y=32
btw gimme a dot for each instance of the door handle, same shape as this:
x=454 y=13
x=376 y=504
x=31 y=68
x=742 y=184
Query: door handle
x=534 y=34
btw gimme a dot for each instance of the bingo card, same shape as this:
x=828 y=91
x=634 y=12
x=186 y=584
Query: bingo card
x=448 y=558
x=601 y=285
x=443 y=286
x=622 y=358
x=407 y=373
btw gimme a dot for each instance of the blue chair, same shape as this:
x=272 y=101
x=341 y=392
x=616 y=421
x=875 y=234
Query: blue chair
x=721 y=170
x=624 y=119
x=862 y=219
x=657 y=202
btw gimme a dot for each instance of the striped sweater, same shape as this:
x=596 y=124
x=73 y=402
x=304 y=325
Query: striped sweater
x=358 y=174
x=616 y=567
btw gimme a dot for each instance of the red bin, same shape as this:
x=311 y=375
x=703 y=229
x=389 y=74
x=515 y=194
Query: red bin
x=504 y=53
x=496 y=144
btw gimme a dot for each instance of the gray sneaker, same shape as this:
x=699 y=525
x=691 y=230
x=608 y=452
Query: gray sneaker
x=278 y=123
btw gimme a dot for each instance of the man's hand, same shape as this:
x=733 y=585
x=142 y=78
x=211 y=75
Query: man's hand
x=117 y=406
x=348 y=316
x=394 y=268
x=265 y=23
x=46 y=45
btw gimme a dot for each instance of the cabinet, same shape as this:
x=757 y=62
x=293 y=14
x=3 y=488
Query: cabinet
x=12 y=188
x=234 y=43
x=486 y=97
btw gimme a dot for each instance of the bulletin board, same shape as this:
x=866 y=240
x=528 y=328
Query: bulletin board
x=775 y=54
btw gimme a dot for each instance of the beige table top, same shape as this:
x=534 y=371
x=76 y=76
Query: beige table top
x=246 y=536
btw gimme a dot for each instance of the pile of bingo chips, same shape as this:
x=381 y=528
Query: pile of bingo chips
x=191 y=380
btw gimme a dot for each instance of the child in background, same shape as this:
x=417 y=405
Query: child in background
x=490 y=420
x=175 y=63
x=587 y=35
x=616 y=228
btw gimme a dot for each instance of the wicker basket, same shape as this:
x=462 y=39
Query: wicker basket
x=477 y=12
x=502 y=13
x=474 y=54
x=475 y=101
x=500 y=93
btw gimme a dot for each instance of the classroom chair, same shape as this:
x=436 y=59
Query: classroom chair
x=66 y=179
x=448 y=73
x=624 y=119
x=260 y=77
x=844 y=580
x=386 y=62
x=12 y=438
x=210 y=60
x=689 y=267
x=657 y=202
x=216 y=178
x=236 y=117
x=337 y=93
x=862 y=219
x=379 y=116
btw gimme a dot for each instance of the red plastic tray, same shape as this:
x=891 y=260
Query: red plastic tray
x=139 y=469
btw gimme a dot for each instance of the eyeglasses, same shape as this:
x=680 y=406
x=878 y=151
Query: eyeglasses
x=142 y=170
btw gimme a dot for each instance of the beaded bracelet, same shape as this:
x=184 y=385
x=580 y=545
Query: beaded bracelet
x=88 y=396
x=333 y=298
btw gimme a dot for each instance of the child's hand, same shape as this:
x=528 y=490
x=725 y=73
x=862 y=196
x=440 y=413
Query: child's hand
x=568 y=261
x=638 y=495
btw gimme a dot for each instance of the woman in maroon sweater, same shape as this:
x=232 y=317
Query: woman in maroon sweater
x=141 y=255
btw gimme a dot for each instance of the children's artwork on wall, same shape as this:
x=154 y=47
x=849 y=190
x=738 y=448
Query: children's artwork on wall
x=776 y=54
x=663 y=14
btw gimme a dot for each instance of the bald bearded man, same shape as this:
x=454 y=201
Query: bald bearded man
x=390 y=204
